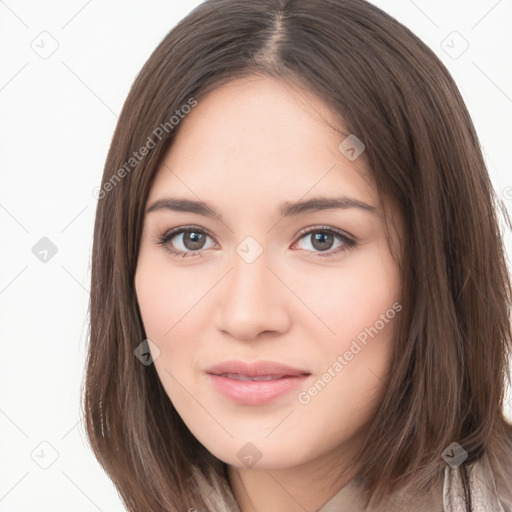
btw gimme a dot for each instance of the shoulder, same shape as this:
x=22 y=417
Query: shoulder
x=490 y=488
x=491 y=491
x=409 y=500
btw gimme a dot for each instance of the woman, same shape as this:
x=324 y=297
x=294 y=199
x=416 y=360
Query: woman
x=299 y=292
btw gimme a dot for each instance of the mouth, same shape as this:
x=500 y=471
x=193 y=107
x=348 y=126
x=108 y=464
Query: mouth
x=246 y=378
x=256 y=383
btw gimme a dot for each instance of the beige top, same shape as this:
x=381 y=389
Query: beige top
x=447 y=496
x=488 y=494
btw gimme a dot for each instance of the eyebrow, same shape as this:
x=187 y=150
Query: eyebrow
x=287 y=208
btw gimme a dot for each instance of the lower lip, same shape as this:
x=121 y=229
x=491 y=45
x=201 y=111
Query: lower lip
x=256 y=392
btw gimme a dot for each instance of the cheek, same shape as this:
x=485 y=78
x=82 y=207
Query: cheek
x=359 y=306
x=351 y=300
x=172 y=315
x=351 y=382
x=164 y=297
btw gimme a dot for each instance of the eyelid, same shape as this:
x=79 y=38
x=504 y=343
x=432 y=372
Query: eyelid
x=320 y=227
x=179 y=229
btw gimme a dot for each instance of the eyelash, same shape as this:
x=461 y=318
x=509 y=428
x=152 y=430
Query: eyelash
x=163 y=240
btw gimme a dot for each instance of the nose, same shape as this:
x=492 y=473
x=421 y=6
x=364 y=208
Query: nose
x=253 y=302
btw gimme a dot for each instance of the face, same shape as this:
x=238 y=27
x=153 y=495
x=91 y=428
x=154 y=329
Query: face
x=271 y=324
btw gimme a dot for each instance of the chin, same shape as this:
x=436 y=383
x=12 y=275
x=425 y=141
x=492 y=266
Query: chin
x=257 y=453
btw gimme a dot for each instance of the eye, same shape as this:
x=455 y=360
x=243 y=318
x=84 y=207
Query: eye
x=191 y=238
x=322 y=240
x=192 y=241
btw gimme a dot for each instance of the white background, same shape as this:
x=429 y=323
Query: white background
x=57 y=117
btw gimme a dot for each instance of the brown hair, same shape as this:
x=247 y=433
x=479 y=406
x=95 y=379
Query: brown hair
x=453 y=336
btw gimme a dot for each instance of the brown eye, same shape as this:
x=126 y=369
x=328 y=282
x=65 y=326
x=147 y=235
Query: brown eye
x=193 y=240
x=185 y=241
x=322 y=240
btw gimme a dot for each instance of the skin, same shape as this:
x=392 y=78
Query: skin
x=247 y=147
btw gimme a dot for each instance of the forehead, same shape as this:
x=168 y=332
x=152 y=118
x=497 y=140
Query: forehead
x=257 y=136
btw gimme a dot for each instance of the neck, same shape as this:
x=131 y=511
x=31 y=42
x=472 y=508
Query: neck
x=305 y=487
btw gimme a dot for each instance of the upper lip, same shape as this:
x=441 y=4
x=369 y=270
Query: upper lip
x=256 y=368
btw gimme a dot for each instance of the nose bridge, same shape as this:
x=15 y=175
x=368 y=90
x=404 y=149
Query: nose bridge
x=250 y=279
x=251 y=301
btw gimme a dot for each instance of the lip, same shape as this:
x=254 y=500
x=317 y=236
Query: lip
x=224 y=378
x=256 y=368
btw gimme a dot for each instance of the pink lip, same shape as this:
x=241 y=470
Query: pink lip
x=255 y=392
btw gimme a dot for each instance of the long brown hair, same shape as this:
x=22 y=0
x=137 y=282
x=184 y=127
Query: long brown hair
x=453 y=336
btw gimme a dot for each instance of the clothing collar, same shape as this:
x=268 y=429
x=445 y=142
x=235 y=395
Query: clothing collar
x=445 y=496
